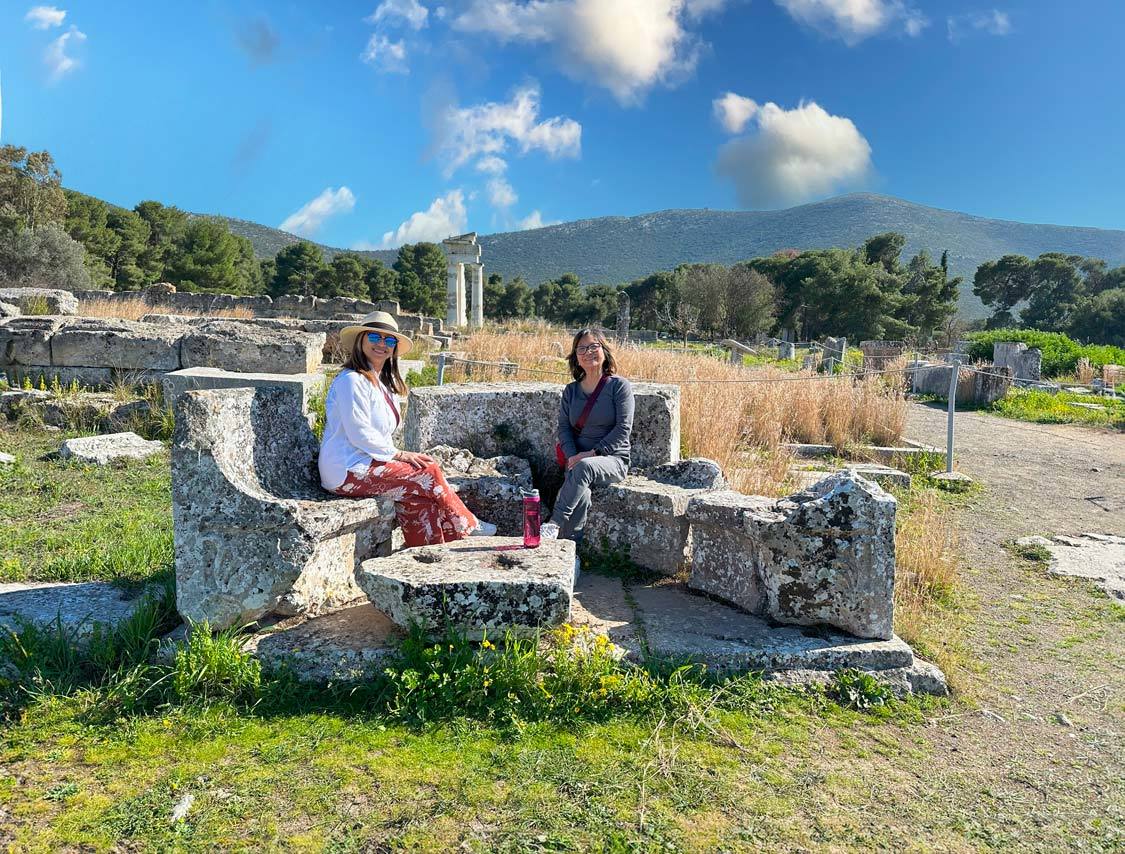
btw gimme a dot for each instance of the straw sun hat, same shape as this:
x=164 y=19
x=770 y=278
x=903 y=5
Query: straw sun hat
x=377 y=321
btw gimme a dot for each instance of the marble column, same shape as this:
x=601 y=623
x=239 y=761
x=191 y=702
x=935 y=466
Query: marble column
x=455 y=295
x=477 y=273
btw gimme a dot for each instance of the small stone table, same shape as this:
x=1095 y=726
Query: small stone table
x=479 y=584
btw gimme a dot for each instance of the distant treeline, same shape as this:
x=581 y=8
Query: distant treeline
x=59 y=238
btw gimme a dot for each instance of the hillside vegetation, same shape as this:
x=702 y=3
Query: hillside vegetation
x=620 y=249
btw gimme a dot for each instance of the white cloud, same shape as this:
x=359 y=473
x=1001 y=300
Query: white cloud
x=487 y=129
x=492 y=165
x=734 y=111
x=58 y=61
x=501 y=193
x=854 y=20
x=625 y=46
x=444 y=217
x=534 y=220
x=411 y=12
x=386 y=55
x=794 y=155
x=993 y=23
x=308 y=220
x=45 y=17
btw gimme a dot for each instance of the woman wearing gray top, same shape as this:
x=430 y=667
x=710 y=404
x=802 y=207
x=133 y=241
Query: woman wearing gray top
x=599 y=453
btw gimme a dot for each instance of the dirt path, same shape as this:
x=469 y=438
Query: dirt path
x=1040 y=762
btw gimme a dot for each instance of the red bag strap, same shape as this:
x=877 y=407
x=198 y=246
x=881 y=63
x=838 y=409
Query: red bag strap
x=391 y=403
x=590 y=401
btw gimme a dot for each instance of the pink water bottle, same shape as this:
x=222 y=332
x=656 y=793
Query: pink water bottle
x=531 y=519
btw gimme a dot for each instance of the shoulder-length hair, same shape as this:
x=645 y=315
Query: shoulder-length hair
x=390 y=376
x=609 y=366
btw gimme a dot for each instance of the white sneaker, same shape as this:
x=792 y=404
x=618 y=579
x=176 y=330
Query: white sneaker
x=549 y=531
x=483 y=529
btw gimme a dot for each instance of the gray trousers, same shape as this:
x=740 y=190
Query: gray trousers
x=573 y=502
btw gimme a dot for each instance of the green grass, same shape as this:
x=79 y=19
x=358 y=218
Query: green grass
x=63 y=521
x=1060 y=352
x=1042 y=407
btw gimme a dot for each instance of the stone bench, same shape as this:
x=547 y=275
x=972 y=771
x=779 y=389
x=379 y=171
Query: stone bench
x=491 y=488
x=648 y=515
x=254 y=532
x=825 y=556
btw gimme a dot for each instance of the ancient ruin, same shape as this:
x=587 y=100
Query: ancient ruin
x=463 y=253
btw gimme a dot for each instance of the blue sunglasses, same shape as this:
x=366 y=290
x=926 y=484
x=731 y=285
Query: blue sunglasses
x=376 y=338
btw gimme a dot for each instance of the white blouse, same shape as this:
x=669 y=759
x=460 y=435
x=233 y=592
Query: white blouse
x=359 y=427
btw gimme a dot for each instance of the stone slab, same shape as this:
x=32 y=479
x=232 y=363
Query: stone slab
x=352 y=644
x=6 y=459
x=124 y=345
x=680 y=626
x=247 y=348
x=57 y=301
x=27 y=340
x=102 y=450
x=176 y=383
x=1098 y=557
x=478 y=584
x=78 y=606
x=885 y=476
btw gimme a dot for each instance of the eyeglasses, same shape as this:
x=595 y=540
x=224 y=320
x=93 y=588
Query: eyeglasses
x=376 y=338
x=587 y=348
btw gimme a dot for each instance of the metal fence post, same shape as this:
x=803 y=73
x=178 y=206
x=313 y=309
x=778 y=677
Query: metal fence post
x=953 y=377
x=441 y=369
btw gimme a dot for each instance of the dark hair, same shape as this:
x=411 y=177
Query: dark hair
x=609 y=366
x=357 y=361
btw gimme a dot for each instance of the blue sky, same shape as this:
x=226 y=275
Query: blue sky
x=367 y=124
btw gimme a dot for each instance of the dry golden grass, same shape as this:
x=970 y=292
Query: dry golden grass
x=1084 y=371
x=740 y=425
x=925 y=580
x=136 y=308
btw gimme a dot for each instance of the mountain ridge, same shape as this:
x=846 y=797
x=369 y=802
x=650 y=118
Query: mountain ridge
x=615 y=249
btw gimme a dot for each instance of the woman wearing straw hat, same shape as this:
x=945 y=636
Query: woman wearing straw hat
x=358 y=458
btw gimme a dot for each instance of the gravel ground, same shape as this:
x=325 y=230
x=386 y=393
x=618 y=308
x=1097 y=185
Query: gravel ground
x=1038 y=758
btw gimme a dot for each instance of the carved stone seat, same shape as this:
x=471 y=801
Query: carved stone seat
x=254 y=531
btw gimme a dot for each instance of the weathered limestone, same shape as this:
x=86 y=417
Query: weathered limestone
x=26 y=341
x=520 y=419
x=79 y=608
x=821 y=557
x=786 y=350
x=974 y=388
x=224 y=343
x=479 y=584
x=878 y=355
x=102 y=450
x=648 y=515
x=6 y=459
x=254 y=532
x=1098 y=557
x=121 y=344
x=1026 y=364
x=54 y=301
x=491 y=488
x=176 y=383
x=8 y=310
x=883 y=475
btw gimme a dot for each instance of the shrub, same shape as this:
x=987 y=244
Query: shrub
x=1060 y=352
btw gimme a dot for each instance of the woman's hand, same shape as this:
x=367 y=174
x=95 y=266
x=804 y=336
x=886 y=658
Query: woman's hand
x=418 y=461
x=577 y=458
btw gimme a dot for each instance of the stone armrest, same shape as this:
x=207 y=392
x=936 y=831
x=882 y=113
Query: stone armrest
x=333 y=517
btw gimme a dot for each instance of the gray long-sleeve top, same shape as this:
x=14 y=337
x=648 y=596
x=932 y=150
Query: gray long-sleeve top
x=607 y=427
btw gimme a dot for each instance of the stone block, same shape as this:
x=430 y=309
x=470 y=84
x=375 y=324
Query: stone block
x=1026 y=364
x=821 y=557
x=648 y=515
x=725 y=563
x=8 y=310
x=245 y=348
x=491 y=488
x=831 y=558
x=520 y=419
x=475 y=585
x=120 y=344
x=102 y=450
x=254 y=532
x=176 y=383
x=78 y=607
x=53 y=300
x=27 y=340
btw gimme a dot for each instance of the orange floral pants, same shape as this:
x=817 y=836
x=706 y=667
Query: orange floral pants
x=427 y=508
